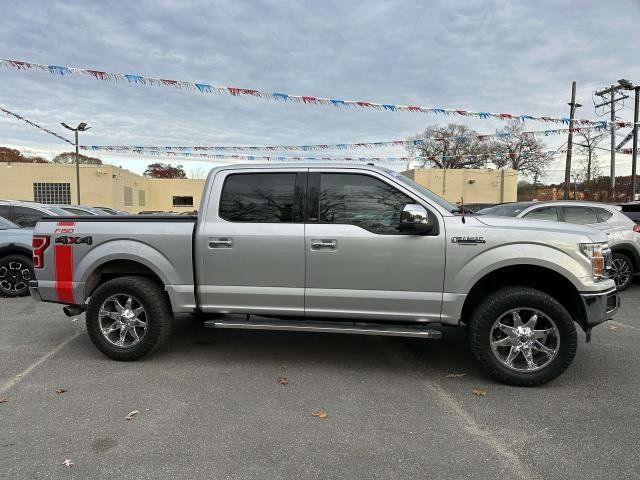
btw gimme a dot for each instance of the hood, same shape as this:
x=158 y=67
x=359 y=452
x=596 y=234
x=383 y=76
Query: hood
x=544 y=225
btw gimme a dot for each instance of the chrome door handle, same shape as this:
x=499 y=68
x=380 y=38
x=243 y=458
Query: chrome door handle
x=220 y=243
x=324 y=244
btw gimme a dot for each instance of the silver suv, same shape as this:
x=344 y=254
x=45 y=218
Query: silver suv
x=623 y=233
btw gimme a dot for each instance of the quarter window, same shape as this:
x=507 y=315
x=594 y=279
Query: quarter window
x=26 y=217
x=580 y=215
x=260 y=198
x=544 y=213
x=604 y=214
x=360 y=200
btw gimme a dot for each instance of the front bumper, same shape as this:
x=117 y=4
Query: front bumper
x=34 y=290
x=599 y=306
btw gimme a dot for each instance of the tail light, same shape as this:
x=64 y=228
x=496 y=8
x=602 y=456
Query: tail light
x=39 y=244
x=636 y=228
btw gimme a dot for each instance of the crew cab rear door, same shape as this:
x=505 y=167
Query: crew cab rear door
x=359 y=264
x=251 y=243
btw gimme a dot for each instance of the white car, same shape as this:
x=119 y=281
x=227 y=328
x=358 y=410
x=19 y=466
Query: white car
x=623 y=233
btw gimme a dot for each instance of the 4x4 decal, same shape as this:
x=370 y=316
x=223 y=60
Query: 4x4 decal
x=65 y=240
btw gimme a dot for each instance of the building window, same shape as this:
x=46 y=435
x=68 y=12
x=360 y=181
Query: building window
x=142 y=200
x=182 y=201
x=54 y=193
x=128 y=197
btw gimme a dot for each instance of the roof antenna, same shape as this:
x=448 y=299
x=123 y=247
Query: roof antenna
x=462 y=208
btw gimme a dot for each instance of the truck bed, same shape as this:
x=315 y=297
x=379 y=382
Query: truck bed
x=83 y=251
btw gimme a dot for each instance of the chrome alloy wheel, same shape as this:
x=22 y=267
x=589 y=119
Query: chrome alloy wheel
x=14 y=277
x=620 y=271
x=524 y=339
x=123 y=320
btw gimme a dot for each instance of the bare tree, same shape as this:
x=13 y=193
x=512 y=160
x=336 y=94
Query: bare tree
x=588 y=141
x=198 y=173
x=513 y=148
x=453 y=146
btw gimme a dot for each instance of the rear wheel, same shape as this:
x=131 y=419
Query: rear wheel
x=129 y=317
x=522 y=336
x=621 y=270
x=15 y=272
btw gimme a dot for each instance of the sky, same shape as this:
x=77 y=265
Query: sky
x=500 y=56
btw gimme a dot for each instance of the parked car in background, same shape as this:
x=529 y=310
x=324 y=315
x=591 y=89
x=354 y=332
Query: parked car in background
x=631 y=210
x=113 y=211
x=82 y=210
x=623 y=233
x=26 y=214
x=16 y=264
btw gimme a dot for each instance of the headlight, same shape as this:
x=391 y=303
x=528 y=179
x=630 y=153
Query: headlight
x=596 y=253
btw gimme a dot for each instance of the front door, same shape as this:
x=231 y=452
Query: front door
x=252 y=243
x=359 y=265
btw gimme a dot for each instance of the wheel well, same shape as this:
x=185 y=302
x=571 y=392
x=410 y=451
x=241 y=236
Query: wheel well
x=117 y=268
x=540 y=278
x=13 y=249
x=629 y=252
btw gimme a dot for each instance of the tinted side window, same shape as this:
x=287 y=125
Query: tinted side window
x=544 y=213
x=604 y=214
x=26 y=217
x=259 y=198
x=580 y=215
x=361 y=200
x=4 y=211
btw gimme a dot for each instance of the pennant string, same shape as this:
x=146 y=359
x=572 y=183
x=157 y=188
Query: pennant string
x=35 y=125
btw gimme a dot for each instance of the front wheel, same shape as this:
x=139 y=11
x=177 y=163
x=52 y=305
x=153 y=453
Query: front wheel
x=128 y=317
x=522 y=336
x=621 y=270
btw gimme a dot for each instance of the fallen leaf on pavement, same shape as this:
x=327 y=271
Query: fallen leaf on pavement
x=61 y=390
x=131 y=414
x=456 y=375
x=611 y=327
x=282 y=381
x=67 y=463
x=479 y=393
x=4 y=399
x=320 y=414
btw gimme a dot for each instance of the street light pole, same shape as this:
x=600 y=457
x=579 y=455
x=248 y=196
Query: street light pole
x=634 y=157
x=82 y=127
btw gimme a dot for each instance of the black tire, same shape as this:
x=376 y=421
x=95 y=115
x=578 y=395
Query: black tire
x=621 y=270
x=15 y=284
x=497 y=304
x=157 y=311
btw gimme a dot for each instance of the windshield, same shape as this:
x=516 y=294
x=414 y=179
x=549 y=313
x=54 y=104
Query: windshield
x=425 y=191
x=506 y=210
x=4 y=224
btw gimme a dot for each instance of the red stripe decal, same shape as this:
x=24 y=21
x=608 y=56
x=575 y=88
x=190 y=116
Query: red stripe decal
x=63 y=261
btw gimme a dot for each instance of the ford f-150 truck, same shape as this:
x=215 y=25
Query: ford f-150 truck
x=328 y=248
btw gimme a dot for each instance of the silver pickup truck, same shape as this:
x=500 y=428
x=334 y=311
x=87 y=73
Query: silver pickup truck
x=326 y=248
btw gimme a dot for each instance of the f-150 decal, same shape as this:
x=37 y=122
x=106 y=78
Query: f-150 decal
x=65 y=240
x=468 y=240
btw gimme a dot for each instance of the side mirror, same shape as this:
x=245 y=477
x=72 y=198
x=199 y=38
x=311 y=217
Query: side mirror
x=415 y=219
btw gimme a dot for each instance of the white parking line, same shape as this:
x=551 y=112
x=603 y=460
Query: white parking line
x=11 y=383
x=506 y=455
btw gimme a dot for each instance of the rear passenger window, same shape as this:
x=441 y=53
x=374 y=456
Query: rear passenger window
x=604 y=214
x=544 y=213
x=259 y=198
x=26 y=217
x=580 y=215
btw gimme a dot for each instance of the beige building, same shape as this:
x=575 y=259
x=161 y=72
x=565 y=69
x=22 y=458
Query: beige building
x=110 y=186
x=480 y=185
x=101 y=185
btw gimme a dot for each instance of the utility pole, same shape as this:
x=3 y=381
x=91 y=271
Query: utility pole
x=80 y=128
x=567 y=169
x=611 y=91
x=634 y=157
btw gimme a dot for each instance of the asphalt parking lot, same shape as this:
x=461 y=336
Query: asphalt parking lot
x=210 y=406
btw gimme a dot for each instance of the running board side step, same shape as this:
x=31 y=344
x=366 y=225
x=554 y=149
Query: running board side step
x=327 y=327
